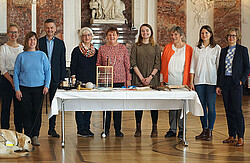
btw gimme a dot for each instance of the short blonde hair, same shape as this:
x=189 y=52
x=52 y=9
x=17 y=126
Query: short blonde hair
x=13 y=25
x=237 y=31
x=83 y=30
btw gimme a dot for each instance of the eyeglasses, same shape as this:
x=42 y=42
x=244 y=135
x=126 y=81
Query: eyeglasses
x=13 y=32
x=233 y=36
x=85 y=35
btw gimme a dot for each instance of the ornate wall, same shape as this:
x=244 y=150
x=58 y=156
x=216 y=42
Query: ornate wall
x=21 y=15
x=225 y=18
x=85 y=12
x=50 y=9
x=169 y=13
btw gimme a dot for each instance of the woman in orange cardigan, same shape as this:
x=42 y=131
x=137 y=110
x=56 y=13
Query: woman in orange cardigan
x=175 y=68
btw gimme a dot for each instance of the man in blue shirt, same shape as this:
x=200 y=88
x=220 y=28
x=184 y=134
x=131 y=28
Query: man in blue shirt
x=55 y=50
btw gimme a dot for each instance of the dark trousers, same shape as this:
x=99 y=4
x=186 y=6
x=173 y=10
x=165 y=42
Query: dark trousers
x=7 y=95
x=31 y=102
x=117 y=115
x=154 y=116
x=232 y=98
x=52 y=91
x=174 y=120
x=82 y=120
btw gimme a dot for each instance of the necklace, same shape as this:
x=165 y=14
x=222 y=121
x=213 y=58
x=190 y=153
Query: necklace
x=13 y=45
x=179 y=46
x=109 y=63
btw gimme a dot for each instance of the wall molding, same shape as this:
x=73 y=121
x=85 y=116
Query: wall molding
x=145 y=11
x=3 y=16
x=71 y=25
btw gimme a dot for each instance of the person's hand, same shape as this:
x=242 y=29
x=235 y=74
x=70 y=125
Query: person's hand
x=19 y=95
x=45 y=90
x=128 y=83
x=143 y=80
x=192 y=86
x=148 y=80
x=218 y=91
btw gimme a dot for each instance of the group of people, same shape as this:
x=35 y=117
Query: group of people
x=30 y=72
x=206 y=68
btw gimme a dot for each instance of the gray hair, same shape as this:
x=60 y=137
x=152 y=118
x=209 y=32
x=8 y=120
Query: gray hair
x=177 y=29
x=83 y=30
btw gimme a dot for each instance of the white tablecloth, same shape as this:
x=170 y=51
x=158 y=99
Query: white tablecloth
x=121 y=99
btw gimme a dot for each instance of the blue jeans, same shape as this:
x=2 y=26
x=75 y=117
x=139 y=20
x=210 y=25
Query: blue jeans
x=207 y=96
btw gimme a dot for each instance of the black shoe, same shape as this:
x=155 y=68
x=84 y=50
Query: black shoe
x=85 y=133
x=119 y=134
x=53 y=133
x=180 y=135
x=104 y=135
x=170 y=134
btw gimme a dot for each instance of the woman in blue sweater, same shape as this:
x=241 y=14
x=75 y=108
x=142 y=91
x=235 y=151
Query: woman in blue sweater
x=31 y=80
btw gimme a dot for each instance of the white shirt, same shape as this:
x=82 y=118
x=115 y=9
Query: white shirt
x=8 y=56
x=204 y=64
x=176 y=66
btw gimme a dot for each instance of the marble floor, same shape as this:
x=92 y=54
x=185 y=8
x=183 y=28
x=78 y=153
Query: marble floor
x=143 y=149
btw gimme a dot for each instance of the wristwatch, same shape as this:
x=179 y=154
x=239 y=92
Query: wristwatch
x=152 y=75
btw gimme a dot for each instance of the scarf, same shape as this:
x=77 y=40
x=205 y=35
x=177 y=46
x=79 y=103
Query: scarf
x=87 y=52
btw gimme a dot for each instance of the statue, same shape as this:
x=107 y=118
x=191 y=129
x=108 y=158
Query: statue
x=107 y=10
x=96 y=9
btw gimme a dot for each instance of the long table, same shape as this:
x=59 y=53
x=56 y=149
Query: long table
x=125 y=100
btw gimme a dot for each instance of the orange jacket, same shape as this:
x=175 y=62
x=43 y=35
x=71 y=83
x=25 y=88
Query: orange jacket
x=165 y=58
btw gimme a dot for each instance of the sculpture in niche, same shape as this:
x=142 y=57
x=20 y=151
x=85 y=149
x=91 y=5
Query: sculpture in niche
x=107 y=10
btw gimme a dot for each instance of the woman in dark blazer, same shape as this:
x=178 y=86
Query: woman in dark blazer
x=232 y=73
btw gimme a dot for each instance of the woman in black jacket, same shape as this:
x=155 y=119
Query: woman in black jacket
x=232 y=74
x=83 y=68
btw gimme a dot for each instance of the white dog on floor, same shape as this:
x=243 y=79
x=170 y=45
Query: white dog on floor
x=12 y=141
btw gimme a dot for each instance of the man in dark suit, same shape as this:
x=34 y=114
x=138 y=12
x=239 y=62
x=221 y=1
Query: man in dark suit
x=55 y=50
